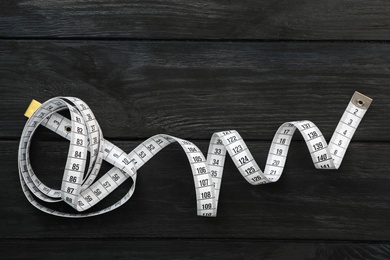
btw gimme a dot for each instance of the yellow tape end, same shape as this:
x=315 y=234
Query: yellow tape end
x=31 y=108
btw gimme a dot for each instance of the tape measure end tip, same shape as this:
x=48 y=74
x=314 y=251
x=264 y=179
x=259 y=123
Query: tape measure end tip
x=31 y=108
x=360 y=100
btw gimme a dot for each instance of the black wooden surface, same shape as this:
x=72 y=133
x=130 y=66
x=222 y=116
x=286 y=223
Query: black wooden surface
x=212 y=19
x=189 y=70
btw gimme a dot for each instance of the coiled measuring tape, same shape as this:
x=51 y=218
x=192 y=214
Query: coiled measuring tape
x=81 y=190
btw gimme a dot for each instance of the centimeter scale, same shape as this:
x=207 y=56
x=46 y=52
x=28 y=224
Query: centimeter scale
x=81 y=189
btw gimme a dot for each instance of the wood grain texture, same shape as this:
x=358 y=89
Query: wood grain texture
x=216 y=19
x=348 y=204
x=190 y=69
x=192 y=249
x=193 y=89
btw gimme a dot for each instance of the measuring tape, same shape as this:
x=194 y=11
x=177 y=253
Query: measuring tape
x=81 y=190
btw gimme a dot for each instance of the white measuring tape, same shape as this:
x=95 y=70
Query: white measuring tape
x=81 y=190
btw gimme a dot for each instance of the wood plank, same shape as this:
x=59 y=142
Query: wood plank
x=266 y=19
x=193 y=89
x=195 y=249
x=349 y=204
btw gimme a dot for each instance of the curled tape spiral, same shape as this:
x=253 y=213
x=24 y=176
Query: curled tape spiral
x=81 y=189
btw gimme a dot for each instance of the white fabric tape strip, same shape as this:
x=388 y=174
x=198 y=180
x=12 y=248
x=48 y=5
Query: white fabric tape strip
x=81 y=190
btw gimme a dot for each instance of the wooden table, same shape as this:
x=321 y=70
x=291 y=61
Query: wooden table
x=190 y=69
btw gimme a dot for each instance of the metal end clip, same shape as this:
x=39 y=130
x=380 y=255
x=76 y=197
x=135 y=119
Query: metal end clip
x=31 y=108
x=360 y=100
